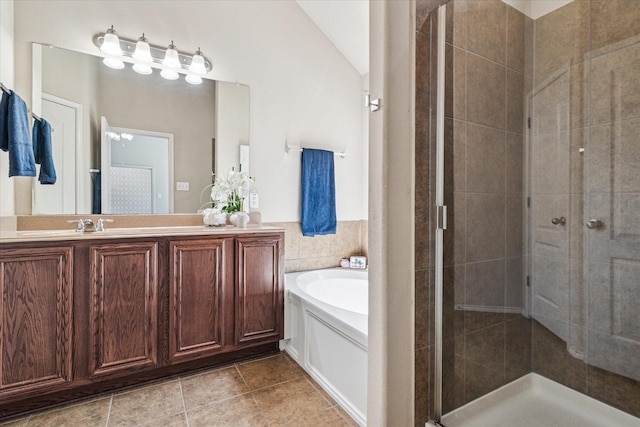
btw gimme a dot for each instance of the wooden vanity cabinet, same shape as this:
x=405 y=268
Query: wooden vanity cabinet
x=123 y=277
x=90 y=315
x=200 y=297
x=36 y=288
x=225 y=294
x=259 y=290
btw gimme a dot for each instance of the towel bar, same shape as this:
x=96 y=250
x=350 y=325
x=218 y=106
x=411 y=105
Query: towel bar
x=288 y=149
x=6 y=89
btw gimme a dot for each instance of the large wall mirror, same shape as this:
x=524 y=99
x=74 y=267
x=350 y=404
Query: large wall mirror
x=204 y=129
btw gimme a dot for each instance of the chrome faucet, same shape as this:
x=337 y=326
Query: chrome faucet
x=83 y=224
x=100 y=225
x=89 y=225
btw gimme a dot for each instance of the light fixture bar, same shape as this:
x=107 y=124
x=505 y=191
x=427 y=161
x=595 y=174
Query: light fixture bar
x=157 y=53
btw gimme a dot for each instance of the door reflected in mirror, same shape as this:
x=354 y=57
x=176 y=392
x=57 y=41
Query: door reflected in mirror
x=208 y=123
x=136 y=172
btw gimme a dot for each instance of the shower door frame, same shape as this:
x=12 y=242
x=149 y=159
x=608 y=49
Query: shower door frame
x=441 y=215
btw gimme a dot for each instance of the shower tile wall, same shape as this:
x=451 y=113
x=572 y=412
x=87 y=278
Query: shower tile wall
x=487 y=342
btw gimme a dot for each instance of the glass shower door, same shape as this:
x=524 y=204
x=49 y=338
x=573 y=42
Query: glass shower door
x=612 y=217
x=541 y=253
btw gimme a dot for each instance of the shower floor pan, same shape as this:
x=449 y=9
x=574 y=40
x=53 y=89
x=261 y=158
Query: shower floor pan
x=535 y=401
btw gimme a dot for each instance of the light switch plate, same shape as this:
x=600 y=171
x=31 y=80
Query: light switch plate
x=182 y=186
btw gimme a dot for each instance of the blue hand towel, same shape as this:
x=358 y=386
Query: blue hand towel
x=43 y=152
x=318 y=193
x=15 y=136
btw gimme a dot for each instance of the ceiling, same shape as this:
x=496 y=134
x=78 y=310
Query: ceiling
x=346 y=24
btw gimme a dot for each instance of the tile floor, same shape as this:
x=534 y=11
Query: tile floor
x=270 y=391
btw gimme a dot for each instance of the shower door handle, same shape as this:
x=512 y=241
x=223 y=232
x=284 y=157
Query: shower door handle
x=594 y=223
x=562 y=221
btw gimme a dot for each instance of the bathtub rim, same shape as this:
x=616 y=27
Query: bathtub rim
x=352 y=324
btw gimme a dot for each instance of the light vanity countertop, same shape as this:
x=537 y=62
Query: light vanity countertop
x=55 y=227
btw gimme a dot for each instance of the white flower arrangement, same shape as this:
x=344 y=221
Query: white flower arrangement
x=230 y=191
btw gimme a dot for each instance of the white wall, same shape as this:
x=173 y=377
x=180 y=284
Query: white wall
x=391 y=215
x=303 y=91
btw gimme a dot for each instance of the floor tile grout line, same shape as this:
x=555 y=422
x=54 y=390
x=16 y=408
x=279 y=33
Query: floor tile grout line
x=235 y=365
x=252 y=396
x=184 y=405
x=280 y=383
x=259 y=359
x=322 y=392
x=109 y=410
x=260 y=409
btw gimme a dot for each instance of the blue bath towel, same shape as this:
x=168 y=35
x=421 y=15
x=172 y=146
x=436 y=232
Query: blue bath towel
x=43 y=152
x=15 y=136
x=318 y=193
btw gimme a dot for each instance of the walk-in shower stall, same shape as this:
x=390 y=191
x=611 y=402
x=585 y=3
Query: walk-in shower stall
x=527 y=202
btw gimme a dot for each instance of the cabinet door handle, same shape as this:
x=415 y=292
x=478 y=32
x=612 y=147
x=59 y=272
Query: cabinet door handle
x=562 y=221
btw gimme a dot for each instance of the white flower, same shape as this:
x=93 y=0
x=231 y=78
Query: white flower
x=235 y=182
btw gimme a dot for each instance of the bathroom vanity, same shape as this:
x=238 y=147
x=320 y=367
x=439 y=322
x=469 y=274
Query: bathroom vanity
x=83 y=313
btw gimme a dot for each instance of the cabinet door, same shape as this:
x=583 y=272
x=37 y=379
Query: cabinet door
x=259 y=289
x=35 y=319
x=198 y=318
x=124 y=292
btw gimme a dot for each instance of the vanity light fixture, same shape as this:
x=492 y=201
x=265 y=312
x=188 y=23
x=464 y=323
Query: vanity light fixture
x=171 y=59
x=197 y=63
x=145 y=57
x=113 y=62
x=193 y=79
x=196 y=69
x=171 y=62
x=114 y=136
x=169 y=74
x=142 y=55
x=111 y=43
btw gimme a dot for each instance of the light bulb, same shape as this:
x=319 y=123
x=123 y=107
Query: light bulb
x=143 y=51
x=193 y=79
x=169 y=74
x=171 y=59
x=111 y=43
x=144 y=69
x=197 y=63
x=113 y=62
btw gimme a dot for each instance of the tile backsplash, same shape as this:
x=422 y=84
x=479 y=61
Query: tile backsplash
x=309 y=253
